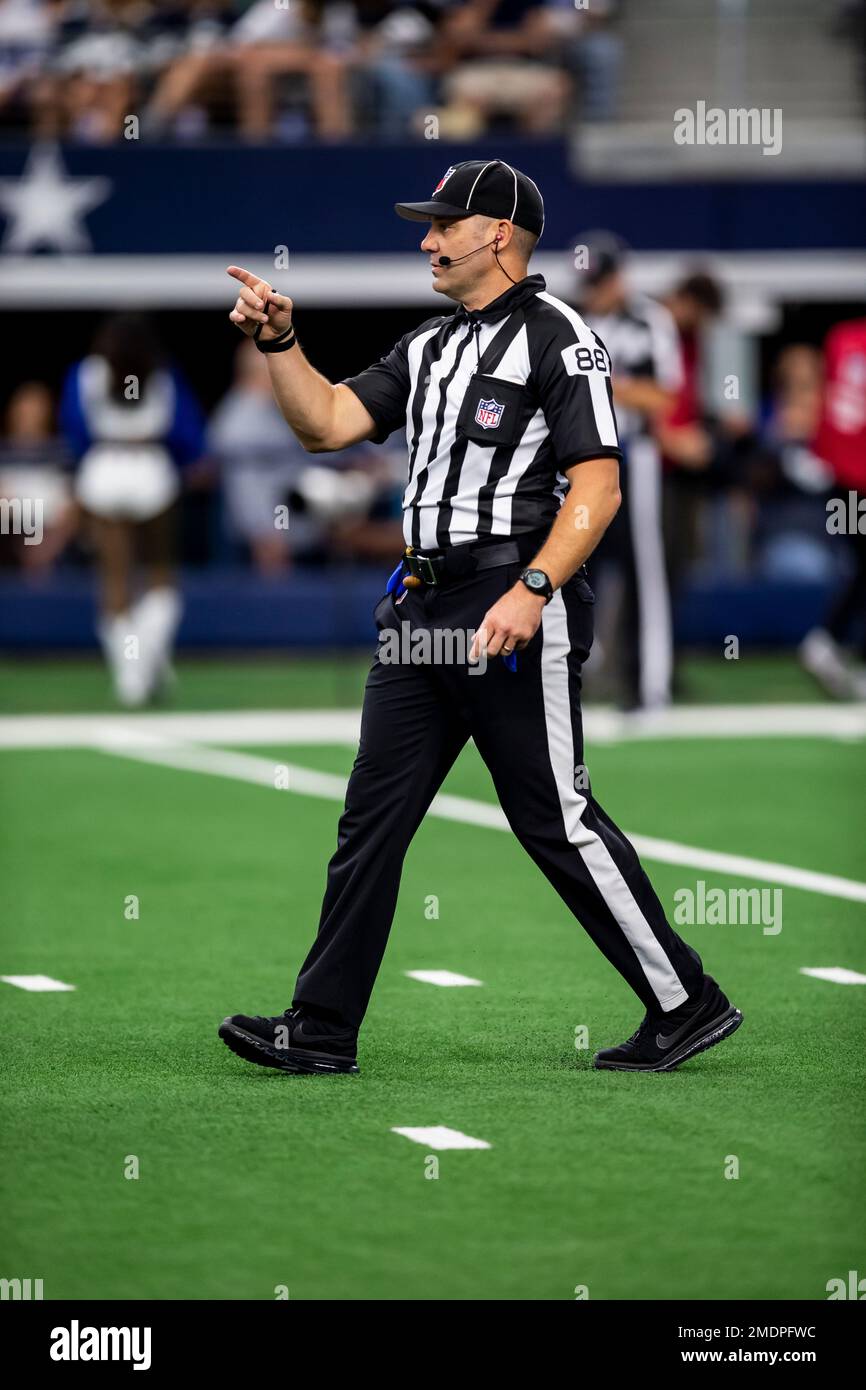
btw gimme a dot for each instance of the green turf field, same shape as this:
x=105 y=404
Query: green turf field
x=250 y=1179
x=255 y=681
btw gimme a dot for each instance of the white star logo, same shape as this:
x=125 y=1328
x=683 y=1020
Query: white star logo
x=46 y=208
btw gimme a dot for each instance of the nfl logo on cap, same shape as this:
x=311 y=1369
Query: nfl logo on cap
x=488 y=414
x=445 y=177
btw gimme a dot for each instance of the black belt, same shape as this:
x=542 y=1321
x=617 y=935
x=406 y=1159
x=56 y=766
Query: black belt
x=458 y=561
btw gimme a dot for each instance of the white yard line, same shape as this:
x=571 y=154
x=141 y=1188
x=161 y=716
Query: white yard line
x=741 y=866
x=836 y=974
x=248 y=767
x=222 y=762
x=256 y=727
x=37 y=984
x=441 y=1137
x=448 y=979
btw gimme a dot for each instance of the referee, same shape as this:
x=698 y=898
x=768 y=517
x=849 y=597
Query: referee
x=641 y=337
x=512 y=480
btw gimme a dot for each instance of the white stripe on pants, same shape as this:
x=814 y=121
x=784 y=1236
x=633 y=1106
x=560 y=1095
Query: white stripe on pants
x=660 y=973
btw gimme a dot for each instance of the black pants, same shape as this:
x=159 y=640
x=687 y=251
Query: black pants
x=527 y=727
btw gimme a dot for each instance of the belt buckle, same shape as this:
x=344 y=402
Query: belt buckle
x=427 y=569
x=422 y=566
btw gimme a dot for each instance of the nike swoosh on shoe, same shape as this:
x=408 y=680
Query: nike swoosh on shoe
x=664 y=1043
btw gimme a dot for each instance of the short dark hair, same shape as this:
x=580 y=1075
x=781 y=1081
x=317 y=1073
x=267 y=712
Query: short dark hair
x=704 y=290
x=525 y=242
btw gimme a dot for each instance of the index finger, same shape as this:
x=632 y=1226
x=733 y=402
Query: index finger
x=246 y=277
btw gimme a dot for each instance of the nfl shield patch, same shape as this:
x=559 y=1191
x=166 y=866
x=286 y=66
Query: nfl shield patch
x=445 y=177
x=488 y=414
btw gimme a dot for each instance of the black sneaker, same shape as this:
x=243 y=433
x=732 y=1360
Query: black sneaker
x=664 y=1040
x=291 y=1042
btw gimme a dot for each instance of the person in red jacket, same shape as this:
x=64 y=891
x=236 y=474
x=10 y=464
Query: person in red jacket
x=841 y=442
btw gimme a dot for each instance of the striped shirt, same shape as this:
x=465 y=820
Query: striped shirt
x=496 y=403
x=643 y=341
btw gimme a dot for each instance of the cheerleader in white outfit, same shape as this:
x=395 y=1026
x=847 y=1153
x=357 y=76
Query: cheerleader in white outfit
x=134 y=424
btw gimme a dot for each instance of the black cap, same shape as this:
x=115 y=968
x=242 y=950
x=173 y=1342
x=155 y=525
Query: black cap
x=489 y=187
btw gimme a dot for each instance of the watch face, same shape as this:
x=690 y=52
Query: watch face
x=536 y=579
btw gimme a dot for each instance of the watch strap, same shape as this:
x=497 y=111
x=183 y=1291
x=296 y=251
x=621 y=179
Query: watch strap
x=547 y=592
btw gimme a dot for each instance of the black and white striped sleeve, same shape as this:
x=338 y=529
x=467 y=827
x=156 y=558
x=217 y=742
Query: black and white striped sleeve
x=571 y=370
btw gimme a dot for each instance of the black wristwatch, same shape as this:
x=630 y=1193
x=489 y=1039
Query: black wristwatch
x=538 y=583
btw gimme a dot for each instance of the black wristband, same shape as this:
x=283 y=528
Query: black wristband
x=275 y=344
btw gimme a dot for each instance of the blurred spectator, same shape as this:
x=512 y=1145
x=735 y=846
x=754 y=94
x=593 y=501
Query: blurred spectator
x=505 y=56
x=309 y=40
x=186 y=37
x=26 y=29
x=787 y=480
x=359 y=506
x=598 y=55
x=331 y=68
x=728 y=494
x=260 y=461
x=799 y=382
x=400 y=56
x=34 y=475
x=841 y=442
x=90 y=79
x=133 y=423
x=684 y=432
x=280 y=503
x=593 y=51
x=99 y=58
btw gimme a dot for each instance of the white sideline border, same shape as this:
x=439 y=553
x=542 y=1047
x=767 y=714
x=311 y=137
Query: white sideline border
x=183 y=741
x=602 y=724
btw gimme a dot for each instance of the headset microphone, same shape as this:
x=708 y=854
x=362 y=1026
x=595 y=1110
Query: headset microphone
x=446 y=260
